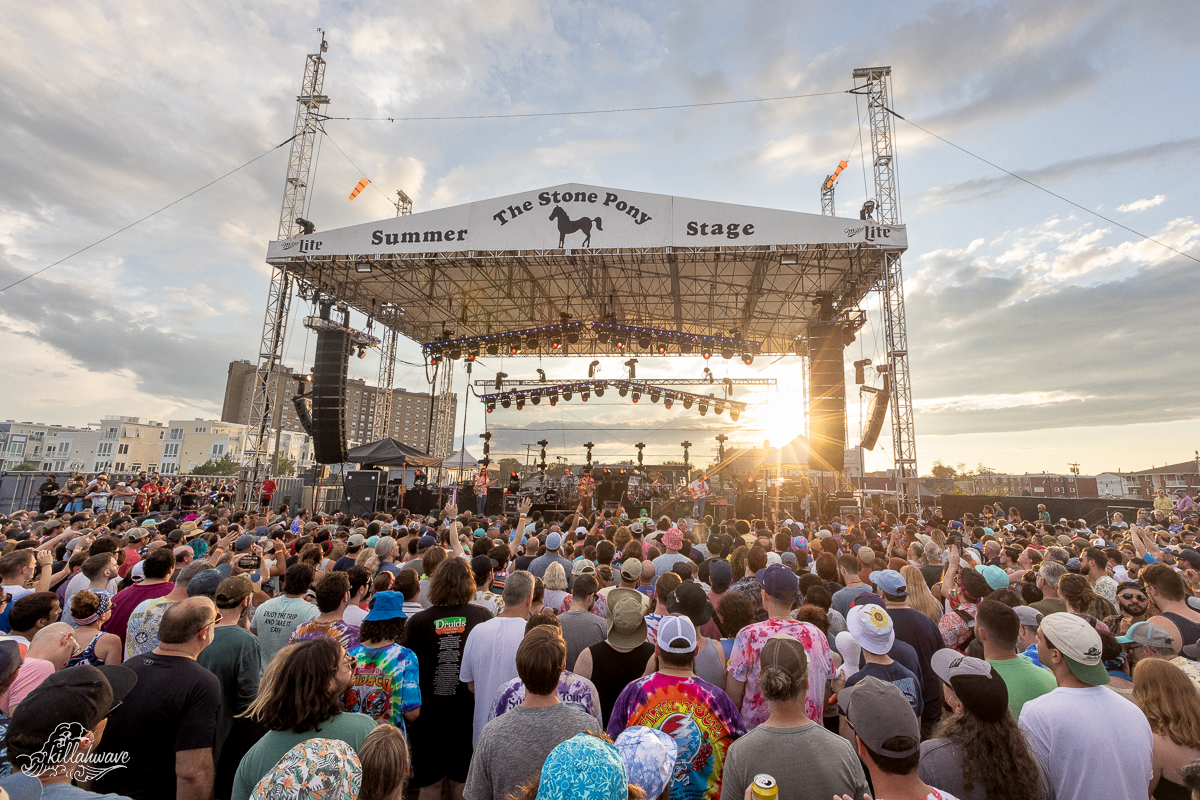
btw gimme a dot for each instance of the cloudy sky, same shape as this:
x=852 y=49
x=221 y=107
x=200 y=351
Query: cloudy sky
x=1038 y=334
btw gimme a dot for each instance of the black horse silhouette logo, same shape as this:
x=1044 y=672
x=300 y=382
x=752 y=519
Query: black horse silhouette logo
x=567 y=225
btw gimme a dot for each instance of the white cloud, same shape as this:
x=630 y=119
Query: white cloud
x=1142 y=205
x=992 y=402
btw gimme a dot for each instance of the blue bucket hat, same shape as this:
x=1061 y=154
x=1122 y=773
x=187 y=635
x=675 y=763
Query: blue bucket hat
x=649 y=756
x=386 y=605
x=583 y=767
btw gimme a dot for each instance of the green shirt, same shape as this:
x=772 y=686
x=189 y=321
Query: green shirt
x=233 y=657
x=1024 y=680
x=348 y=727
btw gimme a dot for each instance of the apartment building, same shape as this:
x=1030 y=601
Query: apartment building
x=129 y=444
x=1038 y=484
x=55 y=448
x=409 y=417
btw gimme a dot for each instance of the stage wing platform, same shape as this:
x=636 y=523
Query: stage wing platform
x=598 y=254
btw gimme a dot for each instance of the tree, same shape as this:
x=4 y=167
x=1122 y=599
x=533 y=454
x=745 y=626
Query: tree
x=226 y=466
x=287 y=467
x=944 y=471
x=25 y=466
x=507 y=465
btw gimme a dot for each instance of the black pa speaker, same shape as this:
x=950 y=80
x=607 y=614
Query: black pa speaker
x=303 y=415
x=826 y=398
x=329 y=397
x=361 y=491
x=876 y=413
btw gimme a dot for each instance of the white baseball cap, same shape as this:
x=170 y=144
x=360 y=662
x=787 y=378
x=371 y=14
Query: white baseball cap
x=672 y=629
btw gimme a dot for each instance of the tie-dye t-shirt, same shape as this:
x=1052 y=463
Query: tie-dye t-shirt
x=345 y=633
x=386 y=684
x=573 y=690
x=744 y=663
x=701 y=719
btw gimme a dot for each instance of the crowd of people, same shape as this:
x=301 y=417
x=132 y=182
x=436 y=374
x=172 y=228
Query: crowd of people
x=199 y=651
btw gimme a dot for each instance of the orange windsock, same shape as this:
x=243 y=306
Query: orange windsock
x=832 y=179
x=362 y=184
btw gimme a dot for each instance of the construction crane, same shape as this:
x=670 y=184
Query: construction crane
x=265 y=402
x=873 y=82
x=827 y=190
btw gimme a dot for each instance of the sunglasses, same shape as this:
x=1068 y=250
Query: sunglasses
x=1132 y=596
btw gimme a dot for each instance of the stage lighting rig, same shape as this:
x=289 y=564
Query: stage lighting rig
x=357 y=338
x=658 y=340
x=632 y=389
x=512 y=342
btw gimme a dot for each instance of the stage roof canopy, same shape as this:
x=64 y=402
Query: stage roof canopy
x=596 y=253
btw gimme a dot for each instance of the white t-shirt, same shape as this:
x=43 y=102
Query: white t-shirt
x=276 y=619
x=353 y=615
x=490 y=660
x=1095 y=743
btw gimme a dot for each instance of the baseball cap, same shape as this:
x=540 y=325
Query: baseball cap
x=773 y=558
x=426 y=541
x=675 y=629
x=581 y=531
x=995 y=577
x=1079 y=643
x=878 y=711
x=83 y=695
x=890 y=582
x=482 y=564
x=1147 y=633
x=386 y=605
x=1030 y=617
x=553 y=541
x=626 y=625
x=872 y=628
x=636 y=528
x=631 y=569
x=866 y=555
x=788 y=557
x=233 y=590
x=583 y=567
x=980 y=688
x=138 y=573
x=205 y=583
x=649 y=756
x=779 y=582
x=583 y=766
x=356 y=540
x=690 y=600
x=785 y=651
x=719 y=571
x=243 y=542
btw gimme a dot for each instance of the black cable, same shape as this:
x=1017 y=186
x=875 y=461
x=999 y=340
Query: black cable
x=597 y=111
x=148 y=216
x=1109 y=220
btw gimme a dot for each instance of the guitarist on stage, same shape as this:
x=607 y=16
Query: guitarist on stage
x=587 y=489
x=699 y=489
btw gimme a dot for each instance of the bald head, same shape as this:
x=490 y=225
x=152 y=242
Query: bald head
x=54 y=643
x=647 y=573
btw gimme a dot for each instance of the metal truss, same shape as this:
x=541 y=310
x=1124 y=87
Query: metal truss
x=265 y=398
x=766 y=293
x=443 y=413
x=383 y=396
x=655 y=381
x=887 y=210
x=635 y=389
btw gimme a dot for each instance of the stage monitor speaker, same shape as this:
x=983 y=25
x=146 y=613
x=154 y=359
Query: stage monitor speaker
x=510 y=504
x=495 y=501
x=826 y=398
x=876 y=413
x=329 y=397
x=361 y=491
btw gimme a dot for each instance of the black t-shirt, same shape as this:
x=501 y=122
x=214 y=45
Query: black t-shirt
x=172 y=708
x=919 y=631
x=522 y=563
x=437 y=636
x=932 y=573
x=344 y=563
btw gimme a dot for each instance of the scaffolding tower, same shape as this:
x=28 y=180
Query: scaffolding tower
x=874 y=83
x=442 y=428
x=268 y=384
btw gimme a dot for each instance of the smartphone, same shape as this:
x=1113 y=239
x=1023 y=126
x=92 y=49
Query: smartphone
x=249 y=562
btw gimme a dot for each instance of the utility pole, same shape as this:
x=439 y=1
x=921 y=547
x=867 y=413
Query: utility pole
x=1074 y=465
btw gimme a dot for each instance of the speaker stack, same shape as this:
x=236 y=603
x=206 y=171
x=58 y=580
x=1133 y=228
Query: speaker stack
x=329 y=397
x=826 y=398
x=877 y=412
x=361 y=490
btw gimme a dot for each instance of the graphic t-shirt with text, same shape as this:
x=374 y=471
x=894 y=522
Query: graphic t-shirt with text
x=386 y=684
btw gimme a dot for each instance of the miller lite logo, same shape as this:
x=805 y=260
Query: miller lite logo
x=870 y=232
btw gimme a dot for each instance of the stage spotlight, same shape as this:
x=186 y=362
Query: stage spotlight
x=599 y=391
x=555 y=344
x=637 y=396
x=572 y=337
x=362 y=352
x=520 y=403
x=685 y=347
x=747 y=359
x=687 y=402
x=706 y=352
x=654 y=396
x=553 y=400
x=644 y=342
x=541 y=375
x=602 y=338
x=514 y=347
x=584 y=395
x=667 y=403
x=619 y=343
x=726 y=353
x=491 y=406
x=532 y=342
x=733 y=414
x=661 y=348
x=505 y=403
x=703 y=409
x=624 y=390
x=537 y=399
x=719 y=408
x=362 y=267
x=435 y=357
x=493 y=349
x=567 y=395
x=455 y=353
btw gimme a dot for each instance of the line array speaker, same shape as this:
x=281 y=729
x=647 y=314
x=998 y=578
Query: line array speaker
x=329 y=397
x=826 y=398
x=876 y=413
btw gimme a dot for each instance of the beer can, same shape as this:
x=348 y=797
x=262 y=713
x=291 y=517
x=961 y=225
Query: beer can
x=765 y=787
